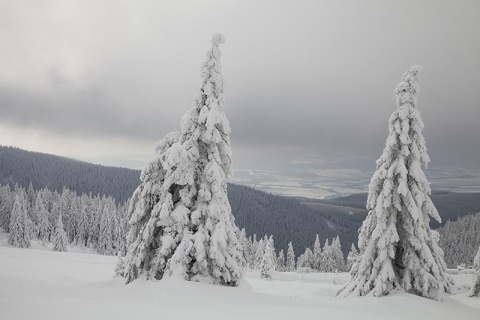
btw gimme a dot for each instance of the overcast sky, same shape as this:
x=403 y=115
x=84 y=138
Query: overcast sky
x=102 y=81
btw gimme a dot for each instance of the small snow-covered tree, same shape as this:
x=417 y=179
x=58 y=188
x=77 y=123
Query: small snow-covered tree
x=6 y=206
x=338 y=262
x=352 y=257
x=19 y=235
x=397 y=247
x=267 y=266
x=290 y=264
x=105 y=241
x=326 y=264
x=180 y=218
x=60 y=239
x=317 y=254
x=306 y=259
x=44 y=227
x=258 y=257
x=281 y=261
x=475 y=289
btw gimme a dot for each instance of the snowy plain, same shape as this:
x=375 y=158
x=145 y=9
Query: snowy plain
x=37 y=283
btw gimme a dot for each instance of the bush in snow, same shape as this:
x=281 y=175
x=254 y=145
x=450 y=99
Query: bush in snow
x=397 y=247
x=475 y=290
x=180 y=218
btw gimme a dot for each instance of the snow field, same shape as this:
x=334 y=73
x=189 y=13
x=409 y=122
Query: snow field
x=40 y=284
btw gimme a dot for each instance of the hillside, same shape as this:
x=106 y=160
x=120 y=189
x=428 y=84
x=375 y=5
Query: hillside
x=54 y=172
x=258 y=212
x=460 y=240
x=450 y=205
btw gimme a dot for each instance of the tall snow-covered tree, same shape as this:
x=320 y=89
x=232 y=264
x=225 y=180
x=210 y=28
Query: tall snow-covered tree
x=475 y=289
x=180 y=218
x=397 y=247
x=60 y=238
x=19 y=235
x=290 y=264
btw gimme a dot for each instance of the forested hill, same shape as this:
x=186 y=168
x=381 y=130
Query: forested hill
x=54 y=172
x=450 y=205
x=288 y=220
x=258 y=212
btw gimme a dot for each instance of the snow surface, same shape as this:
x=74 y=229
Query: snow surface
x=38 y=283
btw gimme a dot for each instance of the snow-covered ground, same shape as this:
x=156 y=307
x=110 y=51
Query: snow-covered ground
x=37 y=283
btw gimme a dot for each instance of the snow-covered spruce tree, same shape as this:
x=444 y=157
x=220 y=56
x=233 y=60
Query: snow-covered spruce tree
x=317 y=254
x=281 y=261
x=257 y=258
x=475 y=289
x=19 y=235
x=180 y=218
x=105 y=240
x=60 y=238
x=352 y=257
x=326 y=263
x=290 y=264
x=267 y=266
x=397 y=247
x=44 y=228
x=338 y=263
x=6 y=205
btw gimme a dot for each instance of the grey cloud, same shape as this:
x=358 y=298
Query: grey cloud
x=311 y=76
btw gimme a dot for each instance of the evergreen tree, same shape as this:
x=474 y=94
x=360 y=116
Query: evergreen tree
x=19 y=235
x=6 y=206
x=105 y=241
x=397 y=247
x=317 y=254
x=267 y=266
x=60 y=239
x=352 y=257
x=44 y=227
x=326 y=261
x=180 y=218
x=261 y=245
x=338 y=263
x=305 y=260
x=475 y=289
x=281 y=261
x=290 y=265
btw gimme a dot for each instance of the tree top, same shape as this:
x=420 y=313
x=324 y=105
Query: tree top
x=217 y=39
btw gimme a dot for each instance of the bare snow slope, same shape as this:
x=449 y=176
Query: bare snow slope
x=41 y=284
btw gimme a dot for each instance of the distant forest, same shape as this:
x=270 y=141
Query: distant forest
x=286 y=218
x=258 y=212
x=22 y=167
